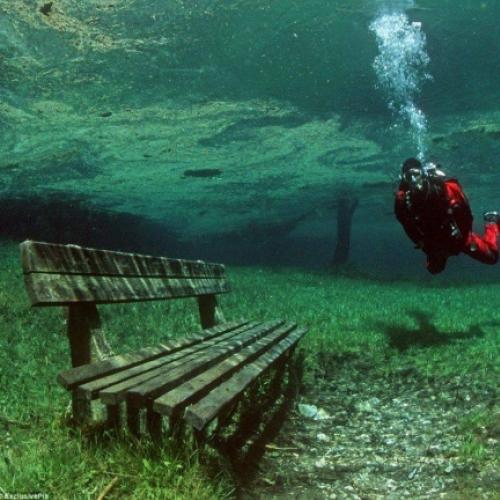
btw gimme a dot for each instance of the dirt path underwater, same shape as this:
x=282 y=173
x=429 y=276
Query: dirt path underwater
x=376 y=437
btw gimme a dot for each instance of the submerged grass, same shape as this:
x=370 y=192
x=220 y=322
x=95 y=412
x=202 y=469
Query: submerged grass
x=438 y=332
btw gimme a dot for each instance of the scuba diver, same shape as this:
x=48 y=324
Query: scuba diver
x=436 y=216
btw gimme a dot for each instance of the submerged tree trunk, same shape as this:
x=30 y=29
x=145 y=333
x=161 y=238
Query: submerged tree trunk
x=345 y=211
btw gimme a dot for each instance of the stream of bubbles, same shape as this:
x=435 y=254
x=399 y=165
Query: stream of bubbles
x=400 y=67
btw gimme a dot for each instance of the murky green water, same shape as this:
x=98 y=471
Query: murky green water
x=237 y=125
x=234 y=130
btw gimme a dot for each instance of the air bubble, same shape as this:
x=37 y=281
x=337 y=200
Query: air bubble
x=400 y=67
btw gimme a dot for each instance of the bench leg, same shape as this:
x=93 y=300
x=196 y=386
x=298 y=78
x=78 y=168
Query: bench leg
x=226 y=414
x=133 y=419
x=277 y=380
x=113 y=416
x=79 y=335
x=82 y=410
x=200 y=438
x=210 y=312
x=295 y=374
x=154 y=424
x=176 y=428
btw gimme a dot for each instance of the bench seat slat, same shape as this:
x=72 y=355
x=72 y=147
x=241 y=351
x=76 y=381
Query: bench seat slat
x=149 y=368
x=87 y=373
x=181 y=368
x=73 y=259
x=194 y=389
x=66 y=289
x=205 y=410
x=138 y=395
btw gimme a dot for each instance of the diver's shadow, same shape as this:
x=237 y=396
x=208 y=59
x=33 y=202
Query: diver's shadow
x=425 y=334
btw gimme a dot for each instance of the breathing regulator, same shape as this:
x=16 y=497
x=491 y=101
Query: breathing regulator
x=418 y=175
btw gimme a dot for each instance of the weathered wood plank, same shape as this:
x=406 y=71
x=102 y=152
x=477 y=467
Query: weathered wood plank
x=149 y=368
x=83 y=374
x=118 y=392
x=73 y=259
x=205 y=410
x=196 y=388
x=65 y=289
x=154 y=387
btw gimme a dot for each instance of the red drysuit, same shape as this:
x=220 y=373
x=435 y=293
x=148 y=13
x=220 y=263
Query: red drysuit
x=439 y=221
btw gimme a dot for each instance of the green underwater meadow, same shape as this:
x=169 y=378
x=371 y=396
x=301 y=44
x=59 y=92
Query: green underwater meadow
x=235 y=131
x=368 y=340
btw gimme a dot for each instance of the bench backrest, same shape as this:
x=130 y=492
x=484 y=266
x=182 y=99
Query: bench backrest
x=81 y=278
x=58 y=275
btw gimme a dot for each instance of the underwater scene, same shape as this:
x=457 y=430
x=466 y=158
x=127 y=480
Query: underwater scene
x=318 y=180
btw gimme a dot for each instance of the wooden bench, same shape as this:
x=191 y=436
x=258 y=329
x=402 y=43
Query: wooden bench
x=194 y=377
